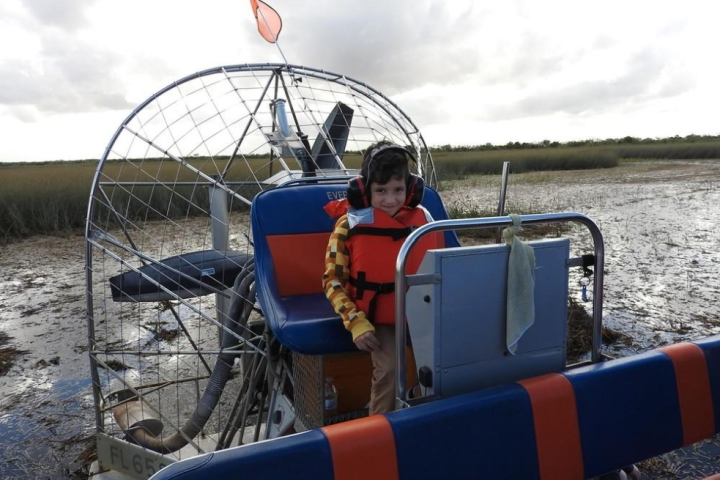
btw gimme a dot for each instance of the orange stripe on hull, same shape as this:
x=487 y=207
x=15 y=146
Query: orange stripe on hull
x=556 y=427
x=363 y=449
x=693 y=384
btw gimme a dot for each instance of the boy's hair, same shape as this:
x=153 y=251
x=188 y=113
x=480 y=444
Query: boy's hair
x=385 y=160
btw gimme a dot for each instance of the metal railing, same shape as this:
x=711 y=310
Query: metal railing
x=402 y=281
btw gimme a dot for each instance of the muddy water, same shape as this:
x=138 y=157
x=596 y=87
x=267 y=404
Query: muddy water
x=661 y=229
x=45 y=399
x=662 y=238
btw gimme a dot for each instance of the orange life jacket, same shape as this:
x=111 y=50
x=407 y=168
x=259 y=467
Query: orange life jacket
x=373 y=248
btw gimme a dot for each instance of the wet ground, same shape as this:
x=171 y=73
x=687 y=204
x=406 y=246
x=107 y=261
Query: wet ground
x=46 y=419
x=661 y=226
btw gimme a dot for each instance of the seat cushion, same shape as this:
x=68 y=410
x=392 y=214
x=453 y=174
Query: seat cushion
x=290 y=233
x=307 y=324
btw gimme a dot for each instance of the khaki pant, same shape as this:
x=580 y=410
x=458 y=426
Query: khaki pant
x=382 y=390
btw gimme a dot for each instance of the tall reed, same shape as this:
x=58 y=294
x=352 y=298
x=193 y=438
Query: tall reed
x=675 y=151
x=52 y=198
x=458 y=165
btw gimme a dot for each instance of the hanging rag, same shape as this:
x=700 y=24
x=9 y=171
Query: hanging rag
x=520 y=287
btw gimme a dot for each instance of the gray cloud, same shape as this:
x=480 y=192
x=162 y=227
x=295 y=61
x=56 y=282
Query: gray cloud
x=637 y=85
x=70 y=75
x=75 y=77
x=524 y=62
x=397 y=46
x=677 y=84
x=65 y=14
x=393 y=46
x=24 y=113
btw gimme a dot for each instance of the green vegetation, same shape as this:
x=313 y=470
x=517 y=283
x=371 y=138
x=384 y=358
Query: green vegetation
x=469 y=209
x=466 y=208
x=677 y=151
x=52 y=197
x=42 y=199
x=458 y=165
x=455 y=162
x=608 y=142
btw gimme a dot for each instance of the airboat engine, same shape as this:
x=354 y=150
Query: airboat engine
x=172 y=318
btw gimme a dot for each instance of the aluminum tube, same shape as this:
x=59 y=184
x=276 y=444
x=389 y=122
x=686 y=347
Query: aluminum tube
x=281 y=115
x=501 y=199
x=220 y=234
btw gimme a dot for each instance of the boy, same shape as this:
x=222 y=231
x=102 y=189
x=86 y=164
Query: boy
x=381 y=210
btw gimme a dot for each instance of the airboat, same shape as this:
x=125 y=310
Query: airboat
x=210 y=336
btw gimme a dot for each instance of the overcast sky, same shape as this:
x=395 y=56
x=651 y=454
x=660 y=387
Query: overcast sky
x=466 y=71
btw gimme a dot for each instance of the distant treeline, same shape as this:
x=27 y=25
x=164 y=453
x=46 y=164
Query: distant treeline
x=454 y=162
x=608 y=142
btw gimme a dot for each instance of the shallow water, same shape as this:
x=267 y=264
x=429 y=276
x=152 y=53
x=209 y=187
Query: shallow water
x=660 y=225
x=46 y=417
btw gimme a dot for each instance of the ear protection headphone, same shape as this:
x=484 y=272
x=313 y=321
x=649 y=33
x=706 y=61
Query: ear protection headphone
x=358 y=189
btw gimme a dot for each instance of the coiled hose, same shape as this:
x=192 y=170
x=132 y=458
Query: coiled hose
x=238 y=313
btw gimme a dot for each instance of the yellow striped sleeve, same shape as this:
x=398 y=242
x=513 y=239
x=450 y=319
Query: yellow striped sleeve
x=335 y=279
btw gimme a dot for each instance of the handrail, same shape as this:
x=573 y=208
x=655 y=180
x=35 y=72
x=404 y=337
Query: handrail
x=401 y=283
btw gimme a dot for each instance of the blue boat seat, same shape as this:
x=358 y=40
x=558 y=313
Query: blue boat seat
x=290 y=234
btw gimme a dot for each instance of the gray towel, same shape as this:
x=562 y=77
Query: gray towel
x=520 y=286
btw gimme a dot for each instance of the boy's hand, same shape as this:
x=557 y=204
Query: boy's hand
x=368 y=342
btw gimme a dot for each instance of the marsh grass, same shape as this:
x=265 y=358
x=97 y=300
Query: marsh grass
x=674 y=151
x=467 y=207
x=580 y=332
x=52 y=198
x=40 y=199
x=459 y=165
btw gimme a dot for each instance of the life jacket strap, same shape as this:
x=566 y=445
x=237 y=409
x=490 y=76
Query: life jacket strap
x=361 y=284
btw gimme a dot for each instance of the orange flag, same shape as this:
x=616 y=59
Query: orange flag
x=268 y=21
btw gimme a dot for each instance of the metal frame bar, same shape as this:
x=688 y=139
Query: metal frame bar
x=401 y=280
x=275 y=71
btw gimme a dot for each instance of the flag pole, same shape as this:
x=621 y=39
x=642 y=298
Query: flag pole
x=275 y=36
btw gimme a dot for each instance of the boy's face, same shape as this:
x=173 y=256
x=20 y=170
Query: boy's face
x=388 y=197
